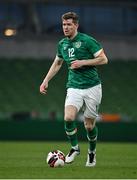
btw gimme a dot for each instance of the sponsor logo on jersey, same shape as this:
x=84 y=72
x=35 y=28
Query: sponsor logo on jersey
x=65 y=46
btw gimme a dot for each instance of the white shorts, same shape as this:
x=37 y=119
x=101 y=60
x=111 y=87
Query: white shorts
x=87 y=99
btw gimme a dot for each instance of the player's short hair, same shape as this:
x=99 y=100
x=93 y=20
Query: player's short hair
x=71 y=15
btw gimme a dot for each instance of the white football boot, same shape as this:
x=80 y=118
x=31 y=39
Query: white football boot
x=91 y=159
x=71 y=155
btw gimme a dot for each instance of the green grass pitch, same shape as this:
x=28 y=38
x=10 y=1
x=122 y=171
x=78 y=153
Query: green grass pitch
x=26 y=160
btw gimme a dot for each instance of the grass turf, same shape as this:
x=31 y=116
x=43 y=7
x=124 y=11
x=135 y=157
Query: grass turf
x=26 y=160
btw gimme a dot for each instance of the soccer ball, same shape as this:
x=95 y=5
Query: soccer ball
x=56 y=158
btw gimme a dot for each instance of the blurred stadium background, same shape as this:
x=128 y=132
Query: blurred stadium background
x=29 y=31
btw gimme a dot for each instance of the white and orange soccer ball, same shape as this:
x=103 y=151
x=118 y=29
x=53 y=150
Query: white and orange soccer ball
x=56 y=158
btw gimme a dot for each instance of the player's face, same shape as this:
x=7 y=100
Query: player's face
x=69 y=28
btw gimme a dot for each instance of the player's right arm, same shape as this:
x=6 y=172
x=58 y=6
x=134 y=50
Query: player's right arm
x=55 y=67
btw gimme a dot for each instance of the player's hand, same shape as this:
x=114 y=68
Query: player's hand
x=77 y=64
x=43 y=88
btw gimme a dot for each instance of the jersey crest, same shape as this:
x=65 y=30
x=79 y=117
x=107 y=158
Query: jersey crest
x=77 y=44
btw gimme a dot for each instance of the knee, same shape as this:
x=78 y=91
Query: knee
x=70 y=113
x=69 y=117
x=89 y=125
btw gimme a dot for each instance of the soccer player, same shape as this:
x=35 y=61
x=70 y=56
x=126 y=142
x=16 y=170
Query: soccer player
x=82 y=53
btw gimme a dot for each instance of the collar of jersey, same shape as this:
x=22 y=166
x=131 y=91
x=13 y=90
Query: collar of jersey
x=75 y=38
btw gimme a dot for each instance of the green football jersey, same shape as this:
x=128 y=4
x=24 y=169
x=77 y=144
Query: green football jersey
x=80 y=47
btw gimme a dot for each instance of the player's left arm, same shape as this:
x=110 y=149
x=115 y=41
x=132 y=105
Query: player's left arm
x=100 y=59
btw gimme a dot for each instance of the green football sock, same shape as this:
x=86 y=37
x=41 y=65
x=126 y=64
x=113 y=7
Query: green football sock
x=92 y=138
x=71 y=131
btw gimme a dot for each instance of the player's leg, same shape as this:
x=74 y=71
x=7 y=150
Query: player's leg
x=92 y=133
x=70 y=125
x=92 y=101
x=72 y=105
x=71 y=131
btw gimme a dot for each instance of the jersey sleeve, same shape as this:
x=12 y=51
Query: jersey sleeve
x=94 y=46
x=59 y=54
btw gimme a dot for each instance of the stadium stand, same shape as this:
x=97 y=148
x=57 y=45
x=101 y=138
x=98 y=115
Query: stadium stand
x=20 y=93
x=20 y=80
